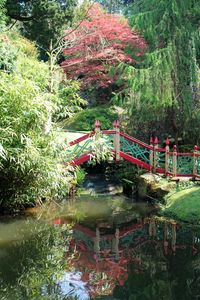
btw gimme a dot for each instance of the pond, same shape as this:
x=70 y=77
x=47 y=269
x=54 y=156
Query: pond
x=98 y=247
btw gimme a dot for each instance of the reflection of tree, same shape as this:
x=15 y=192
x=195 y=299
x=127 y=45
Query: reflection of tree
x=145 y=282
x=155 y=262
x=181 y=273
x=34 y=264
x=162 y=277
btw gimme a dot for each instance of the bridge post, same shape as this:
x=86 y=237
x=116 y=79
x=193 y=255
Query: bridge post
x=117 y=140
x=195 y=161
x=174 y=161
x=155 y=154
x=115 y=244
x=173 y=236
x=152 y=228
x=167 y=156
x=151 y=154
x=97 y=126
x=97 y=242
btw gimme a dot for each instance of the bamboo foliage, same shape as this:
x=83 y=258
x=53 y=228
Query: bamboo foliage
x=30 y=161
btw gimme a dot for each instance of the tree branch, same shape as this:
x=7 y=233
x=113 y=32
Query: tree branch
x=76 y=27
x=20 y=18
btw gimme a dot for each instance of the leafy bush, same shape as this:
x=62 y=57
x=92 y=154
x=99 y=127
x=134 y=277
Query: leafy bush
x=2 y=15
x=31 y=162
x=80 y=174
x=84 y=120
x=8 y=54
x=68 y=100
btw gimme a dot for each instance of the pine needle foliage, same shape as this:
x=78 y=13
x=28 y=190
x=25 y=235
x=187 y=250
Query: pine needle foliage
x=165 y=84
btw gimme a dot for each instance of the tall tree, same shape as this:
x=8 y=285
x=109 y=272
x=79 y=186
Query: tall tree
x=99 y=42
x=43 y=20
x=166 y=84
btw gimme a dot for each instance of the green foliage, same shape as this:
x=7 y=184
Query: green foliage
x=69 y=101
x=166 y=83
x=2 y=14
x=24 y=45
x=184 y=205
x=101 y=149
x=79 y=175
x=37 y=258
x=84 y=120
x=43 y=20
x=30 y=160
x=8 y=55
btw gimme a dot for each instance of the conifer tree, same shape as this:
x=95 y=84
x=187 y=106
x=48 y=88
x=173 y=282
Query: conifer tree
x=43 y=20
x=165 y=87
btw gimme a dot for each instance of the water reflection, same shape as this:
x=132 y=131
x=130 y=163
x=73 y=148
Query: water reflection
x=151 y=259
x=32 y=259
x=115 y=250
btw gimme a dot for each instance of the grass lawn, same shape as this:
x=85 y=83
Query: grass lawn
x=184 y=205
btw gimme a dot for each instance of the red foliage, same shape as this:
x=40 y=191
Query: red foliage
x=100 y=41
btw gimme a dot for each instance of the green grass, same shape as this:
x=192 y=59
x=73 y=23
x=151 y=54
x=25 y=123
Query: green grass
x=184 y=205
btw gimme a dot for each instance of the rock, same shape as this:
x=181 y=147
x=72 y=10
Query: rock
x=154 y=187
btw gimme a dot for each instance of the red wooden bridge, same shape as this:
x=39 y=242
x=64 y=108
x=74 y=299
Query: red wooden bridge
x=124 y=147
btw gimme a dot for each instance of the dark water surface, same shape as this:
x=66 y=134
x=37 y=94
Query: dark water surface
x=115 y=249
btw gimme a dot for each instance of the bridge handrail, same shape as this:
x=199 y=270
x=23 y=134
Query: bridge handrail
x=134 y=140
x=185 y=153
x=152 y=158
x=82 y=138
x=108 y=131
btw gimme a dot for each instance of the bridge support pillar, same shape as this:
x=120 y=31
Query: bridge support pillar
x=167 y=156
x=174 y=237
x=97 y=242
x=115 y=244
x=174 y=161
x=97 y=126
x=117 y=140
x=151 y=154
x=155 y=154
x=195 y=161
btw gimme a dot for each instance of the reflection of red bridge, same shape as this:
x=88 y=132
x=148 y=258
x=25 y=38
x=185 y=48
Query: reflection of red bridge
x=130 y=237
x=105 y=240
x=104 y=253
x=150 y=157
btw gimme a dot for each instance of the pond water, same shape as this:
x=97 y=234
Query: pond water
x=98 y=247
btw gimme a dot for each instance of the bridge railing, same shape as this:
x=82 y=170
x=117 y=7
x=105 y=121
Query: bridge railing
x=149 y=157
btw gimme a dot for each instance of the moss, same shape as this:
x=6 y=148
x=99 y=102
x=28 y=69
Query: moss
x=184 y=205
x=154 y=187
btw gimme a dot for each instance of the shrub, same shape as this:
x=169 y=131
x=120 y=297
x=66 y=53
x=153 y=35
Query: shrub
x=31 y=162
x=8 y=55
x=69 y=101
x=84 y=120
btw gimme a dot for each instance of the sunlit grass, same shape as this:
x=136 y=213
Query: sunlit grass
x=184 y=205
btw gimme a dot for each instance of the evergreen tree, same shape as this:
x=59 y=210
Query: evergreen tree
x=165 y=87
x=43 y=20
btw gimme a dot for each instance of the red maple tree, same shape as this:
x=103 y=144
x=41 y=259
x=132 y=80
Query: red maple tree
x=100 y=41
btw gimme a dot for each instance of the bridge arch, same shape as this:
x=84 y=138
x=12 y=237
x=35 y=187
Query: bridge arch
x=147 y=156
